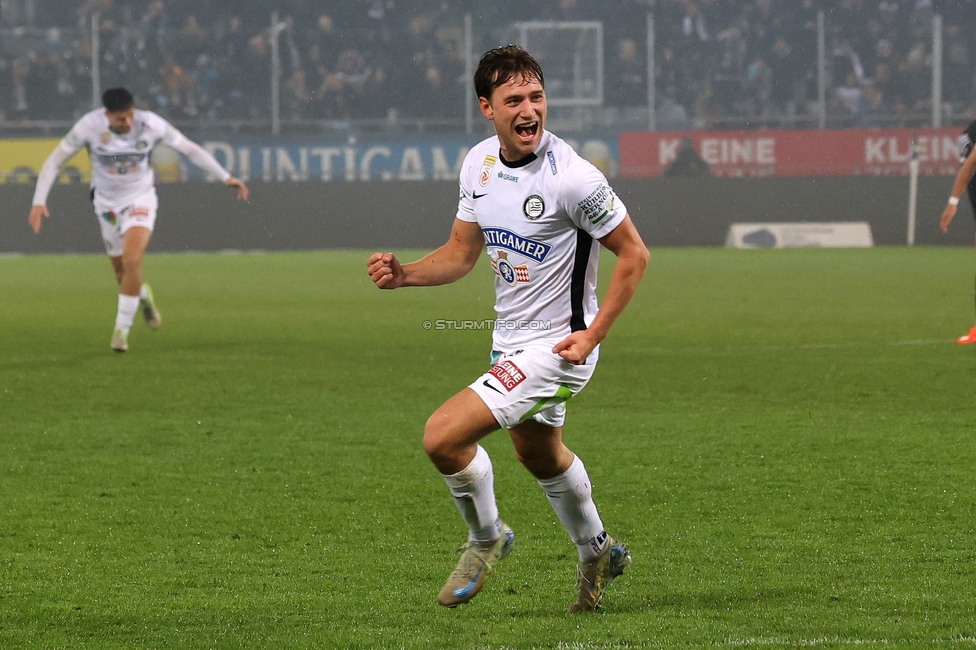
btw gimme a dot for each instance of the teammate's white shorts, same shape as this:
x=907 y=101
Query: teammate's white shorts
x=115 y=220
x=531 y=383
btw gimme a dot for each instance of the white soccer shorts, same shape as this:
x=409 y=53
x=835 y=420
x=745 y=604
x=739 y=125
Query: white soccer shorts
x=531 y=383
x=115 y=220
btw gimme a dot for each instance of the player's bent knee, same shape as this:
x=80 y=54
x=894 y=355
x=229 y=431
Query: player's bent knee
x=436 y=442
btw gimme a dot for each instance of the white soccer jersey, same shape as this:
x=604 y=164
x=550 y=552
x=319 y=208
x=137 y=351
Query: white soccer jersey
x=541 y=218
x=120 y=162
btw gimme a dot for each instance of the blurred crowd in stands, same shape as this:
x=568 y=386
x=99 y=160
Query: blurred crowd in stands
x=718 y=62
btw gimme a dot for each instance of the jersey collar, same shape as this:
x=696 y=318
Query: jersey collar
x=522 y=162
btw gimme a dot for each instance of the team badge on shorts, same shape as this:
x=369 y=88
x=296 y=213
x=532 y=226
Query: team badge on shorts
x=533 y=207
x=110 y=217
x=486 y=166
x=508 y=375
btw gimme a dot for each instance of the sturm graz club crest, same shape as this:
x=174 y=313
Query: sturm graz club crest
x=533 y=207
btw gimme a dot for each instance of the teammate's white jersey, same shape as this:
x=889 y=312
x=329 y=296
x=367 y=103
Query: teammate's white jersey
x=120 y=162
x=541 y=218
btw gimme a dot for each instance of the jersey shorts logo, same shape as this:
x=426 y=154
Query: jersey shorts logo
x=533 y=207
x=110 y=217
x=516 y=243
x=486 y=166
x=598 y=204
x=508 y=375
x=137 y=213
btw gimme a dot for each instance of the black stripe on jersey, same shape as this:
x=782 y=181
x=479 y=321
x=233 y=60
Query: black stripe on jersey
x=584 y=242
x=522 y=162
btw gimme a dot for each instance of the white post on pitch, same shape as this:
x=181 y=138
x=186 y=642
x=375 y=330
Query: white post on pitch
x=96 y=70
x=651 y=89
x=276 y=29
x=913 y=166
x=469 y=99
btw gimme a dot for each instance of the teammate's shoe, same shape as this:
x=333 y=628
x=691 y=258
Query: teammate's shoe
x=120 y=341
x=149 y=312
x=472 y=570
x=968 y=338
x=595 y=576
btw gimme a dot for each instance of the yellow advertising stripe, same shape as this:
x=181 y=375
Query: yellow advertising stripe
x=21 y=160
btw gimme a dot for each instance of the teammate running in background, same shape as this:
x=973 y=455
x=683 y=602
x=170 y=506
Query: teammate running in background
x=119 y=139
x=543 y=212
x=964 y=179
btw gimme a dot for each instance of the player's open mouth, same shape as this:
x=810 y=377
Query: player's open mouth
x=527 y=131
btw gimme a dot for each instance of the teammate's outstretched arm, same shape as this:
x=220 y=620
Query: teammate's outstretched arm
x=447 y=264
x=45 y=180
x=963 y=178
x=632 y=257
x=202 y=159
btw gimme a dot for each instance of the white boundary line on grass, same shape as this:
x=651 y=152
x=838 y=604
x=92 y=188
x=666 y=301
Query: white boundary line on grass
x=834 y=346
x=773 y=641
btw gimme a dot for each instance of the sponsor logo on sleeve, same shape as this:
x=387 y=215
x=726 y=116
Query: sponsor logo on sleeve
x=508 y=375
x=598 y=204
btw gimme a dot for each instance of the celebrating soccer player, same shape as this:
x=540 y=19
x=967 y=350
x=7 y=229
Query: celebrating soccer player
x=119 y=139
x=542 y=212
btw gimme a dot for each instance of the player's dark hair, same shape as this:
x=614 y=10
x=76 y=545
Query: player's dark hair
x=118 y=99
x=501 y=64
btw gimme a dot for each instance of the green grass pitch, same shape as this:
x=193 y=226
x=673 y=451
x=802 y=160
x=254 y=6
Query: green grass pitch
x=784 y=438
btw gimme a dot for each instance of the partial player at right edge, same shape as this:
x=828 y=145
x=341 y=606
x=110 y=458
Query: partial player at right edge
x=965 y=180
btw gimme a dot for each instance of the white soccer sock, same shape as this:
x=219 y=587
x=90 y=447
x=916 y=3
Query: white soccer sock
x=143 y=293
x=128 y=306
x=572 y=498
x=473 y=489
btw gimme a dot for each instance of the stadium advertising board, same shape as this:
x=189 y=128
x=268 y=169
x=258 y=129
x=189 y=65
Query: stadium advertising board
x=866 y=152
x=292 y=160
x=364 y=160
x=21 y=160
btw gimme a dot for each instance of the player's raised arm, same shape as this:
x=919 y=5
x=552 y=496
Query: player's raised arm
x=447 y=264
x=963 y=178
x=45 y=180
x=632 y=257
x=203 y=159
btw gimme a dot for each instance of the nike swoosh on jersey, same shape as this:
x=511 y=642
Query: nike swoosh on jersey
x=475 y=195
x=487 y=385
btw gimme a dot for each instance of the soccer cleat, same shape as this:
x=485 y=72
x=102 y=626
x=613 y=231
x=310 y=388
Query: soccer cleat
x=595 y=576
x=968 y=338
x=472 y=570
x=120 y=341
x=149 y=312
